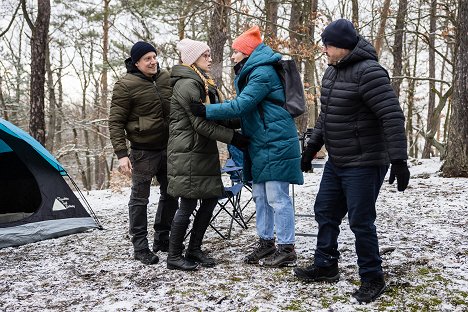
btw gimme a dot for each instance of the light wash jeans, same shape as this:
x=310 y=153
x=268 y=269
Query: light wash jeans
x=274 y=209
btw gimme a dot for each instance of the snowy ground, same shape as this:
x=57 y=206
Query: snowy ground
x=423 y=235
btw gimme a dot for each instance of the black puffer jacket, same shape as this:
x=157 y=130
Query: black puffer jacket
x=361 y=122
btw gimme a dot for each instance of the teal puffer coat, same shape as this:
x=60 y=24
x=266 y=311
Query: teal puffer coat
x=274 y=152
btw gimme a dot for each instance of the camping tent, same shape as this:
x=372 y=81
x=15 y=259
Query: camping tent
x=36 y=202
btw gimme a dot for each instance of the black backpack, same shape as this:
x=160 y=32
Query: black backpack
x=293 y=88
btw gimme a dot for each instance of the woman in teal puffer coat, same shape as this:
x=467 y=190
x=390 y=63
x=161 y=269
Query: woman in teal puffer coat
x=193 y=160
x=273 y=158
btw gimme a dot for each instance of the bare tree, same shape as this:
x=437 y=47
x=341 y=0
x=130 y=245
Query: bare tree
x=217 y=36
x=456 y=160
x=39 y=30
x=398 y=44
x=381 y=31
x=431 y=122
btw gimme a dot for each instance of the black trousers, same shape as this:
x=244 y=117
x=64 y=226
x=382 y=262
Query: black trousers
x=146 y=165
x=201 y=221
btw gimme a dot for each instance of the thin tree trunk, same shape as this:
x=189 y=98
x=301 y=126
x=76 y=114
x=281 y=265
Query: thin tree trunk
x=2 y=101
x=38 y=51
x=59 y=115
x=100 y=166
x=309 y=75
x=398 y=44
x=217 y=37
x=456 y=160
x=355 y=9
x=430 y=132
x=52 y=105
x=271 y=30
x=381 y=32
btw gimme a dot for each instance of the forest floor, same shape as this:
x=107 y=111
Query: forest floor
x=423 y=236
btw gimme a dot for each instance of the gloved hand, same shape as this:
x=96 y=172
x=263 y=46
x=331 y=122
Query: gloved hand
x=198 y=109
x=306 y=159
x=399 y=169
x=240 y=141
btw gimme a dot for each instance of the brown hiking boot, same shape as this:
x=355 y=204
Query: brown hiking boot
x=264 y=249
x=285 y=255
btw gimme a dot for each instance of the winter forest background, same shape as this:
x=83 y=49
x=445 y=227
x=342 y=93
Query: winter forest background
x=60 y=59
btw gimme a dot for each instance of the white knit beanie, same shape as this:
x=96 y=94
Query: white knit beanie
x=191 y=50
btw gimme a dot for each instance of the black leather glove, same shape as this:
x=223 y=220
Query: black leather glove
x=240 y=141
x=306 y=159
x=399 y=169
x=198 y=109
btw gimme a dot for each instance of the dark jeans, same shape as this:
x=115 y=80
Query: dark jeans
x=202 y=217
x=353 y=191
x=147 y=164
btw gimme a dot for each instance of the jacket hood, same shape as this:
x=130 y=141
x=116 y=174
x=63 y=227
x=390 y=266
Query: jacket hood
x=262 y=55
x=363 y=51
x=183 y=72
x=132 y=69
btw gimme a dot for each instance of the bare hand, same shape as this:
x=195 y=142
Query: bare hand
x=125 y=166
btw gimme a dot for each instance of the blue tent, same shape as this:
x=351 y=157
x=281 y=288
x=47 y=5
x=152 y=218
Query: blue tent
x=36 y=201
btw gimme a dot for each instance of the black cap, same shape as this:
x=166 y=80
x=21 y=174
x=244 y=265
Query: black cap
x=341 y=34
x=139 y=49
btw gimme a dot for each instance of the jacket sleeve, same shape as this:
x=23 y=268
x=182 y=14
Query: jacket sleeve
x=190 y=93
x=315 y=142
x=118 y=116
x=258 y=87
x=378 y=94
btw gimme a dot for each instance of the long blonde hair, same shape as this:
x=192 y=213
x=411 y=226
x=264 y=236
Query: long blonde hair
x=207 y=83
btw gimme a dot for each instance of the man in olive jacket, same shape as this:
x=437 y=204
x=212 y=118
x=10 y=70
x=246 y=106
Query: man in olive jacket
x=362 y=126
x=139 y=113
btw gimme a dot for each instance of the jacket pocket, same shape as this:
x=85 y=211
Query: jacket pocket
x=145 y=125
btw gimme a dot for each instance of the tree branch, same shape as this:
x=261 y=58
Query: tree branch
x=26 y=15
x=11 y=22
x=421 y=78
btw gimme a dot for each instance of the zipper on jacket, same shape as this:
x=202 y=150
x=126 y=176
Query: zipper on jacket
x=328 y=104
x=160 y=99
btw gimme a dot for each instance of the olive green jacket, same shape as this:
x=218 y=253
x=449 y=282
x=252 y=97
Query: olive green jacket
x=192 y=153
x=139 y=111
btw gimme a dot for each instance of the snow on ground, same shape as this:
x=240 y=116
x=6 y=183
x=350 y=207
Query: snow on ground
x=423 y=239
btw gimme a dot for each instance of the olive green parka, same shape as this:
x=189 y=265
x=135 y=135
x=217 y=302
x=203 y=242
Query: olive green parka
x=192 y=153
x=139 y=111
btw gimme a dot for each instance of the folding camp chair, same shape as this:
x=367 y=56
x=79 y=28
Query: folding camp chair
x=231 y=203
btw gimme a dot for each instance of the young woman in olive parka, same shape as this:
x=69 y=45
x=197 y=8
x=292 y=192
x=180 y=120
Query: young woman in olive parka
x=193 y=158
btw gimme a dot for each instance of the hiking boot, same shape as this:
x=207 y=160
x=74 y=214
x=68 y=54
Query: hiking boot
x=145 y=256
x=200 y=257
x=264 y=249
x=370 y=290
x=285 y=255
x=313 y=273
x=161 y=245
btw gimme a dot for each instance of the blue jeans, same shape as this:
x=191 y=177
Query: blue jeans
x=274 y=209
x=353 y=191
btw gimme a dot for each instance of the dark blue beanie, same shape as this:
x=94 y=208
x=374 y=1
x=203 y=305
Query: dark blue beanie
x=341 y=34
x=139 y=49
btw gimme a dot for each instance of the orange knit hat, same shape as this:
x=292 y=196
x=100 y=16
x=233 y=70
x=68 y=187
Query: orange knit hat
x=248 y=41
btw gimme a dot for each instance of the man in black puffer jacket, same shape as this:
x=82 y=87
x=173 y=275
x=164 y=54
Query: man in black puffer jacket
x=361 y=125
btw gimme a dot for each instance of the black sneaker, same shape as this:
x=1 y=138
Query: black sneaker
x=285 y=255
x=200 y=257
x=160 y=245
x=318 y=274
x=264 y=249
x=145 y=256
x=370 y=290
